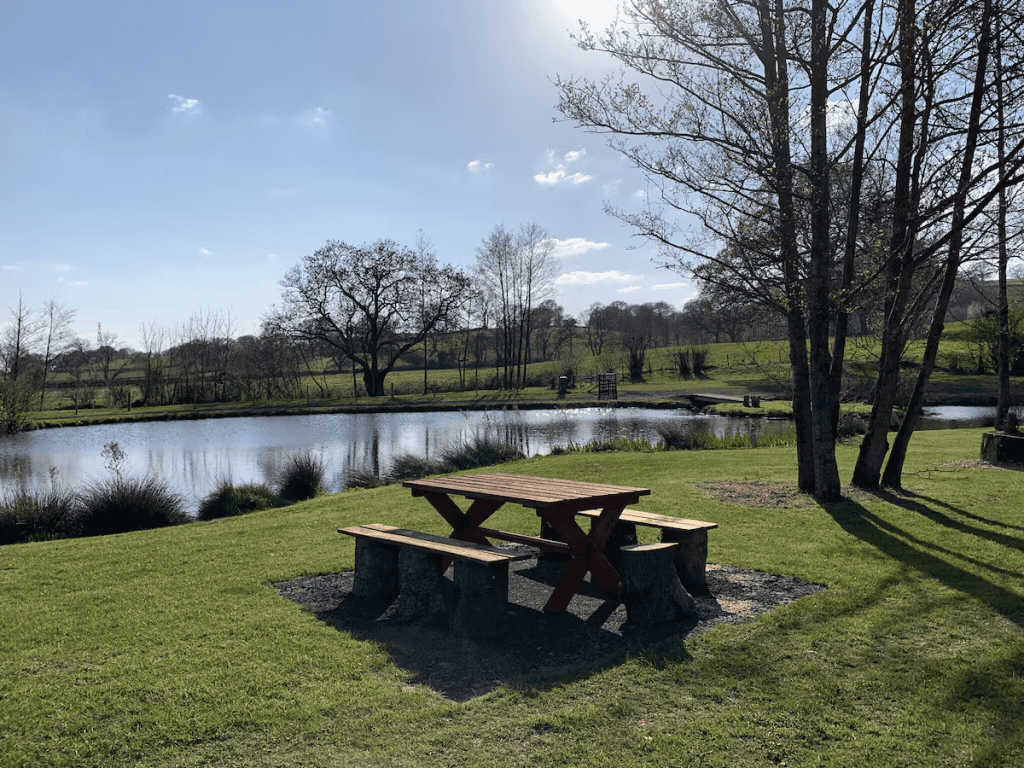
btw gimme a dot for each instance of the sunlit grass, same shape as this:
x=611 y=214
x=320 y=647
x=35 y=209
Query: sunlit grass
x=170 y=648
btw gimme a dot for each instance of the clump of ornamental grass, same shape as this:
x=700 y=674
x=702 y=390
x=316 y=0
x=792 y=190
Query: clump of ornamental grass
x=363 y=477
x=608 y=445
x=479 y=451
x=36 y=516
x=228 y=500
x=684 y=438
x=123 y=503
x=302 y=477
x=408 y=466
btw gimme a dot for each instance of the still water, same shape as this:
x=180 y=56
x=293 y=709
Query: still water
x=193 y=456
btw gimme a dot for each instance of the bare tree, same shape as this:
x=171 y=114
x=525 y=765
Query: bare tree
x=737 y=117
x=154 y=375
x=57 y=337
x=595 y=327
x=365 y=302
x=517 y=270
x=19 y=338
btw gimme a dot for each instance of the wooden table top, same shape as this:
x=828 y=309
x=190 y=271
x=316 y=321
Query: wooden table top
x=528 y=491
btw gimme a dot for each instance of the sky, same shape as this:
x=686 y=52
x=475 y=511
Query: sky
x=161 y=159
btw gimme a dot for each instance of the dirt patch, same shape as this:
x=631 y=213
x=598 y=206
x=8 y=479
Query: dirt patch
x=765 y=495
x=539 y=649
x=757 y=494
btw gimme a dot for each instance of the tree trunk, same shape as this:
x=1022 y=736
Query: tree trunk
x=894 y=468
x=899 y=265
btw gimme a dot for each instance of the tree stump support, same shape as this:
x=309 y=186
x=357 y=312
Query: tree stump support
x=690 y=556
x=376 y=574
x=651 y=589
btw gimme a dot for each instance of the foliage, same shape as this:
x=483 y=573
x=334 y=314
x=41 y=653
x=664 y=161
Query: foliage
x=37 y=516
x=228 y=500
x=123 y=503
x=16 y=399
x=981 y=335
x=301 y=477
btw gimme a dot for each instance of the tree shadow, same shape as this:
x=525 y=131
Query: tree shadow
x=924 y=556
x=926 y=506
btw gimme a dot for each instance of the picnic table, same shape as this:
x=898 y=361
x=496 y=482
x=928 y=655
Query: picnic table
x=557 y=502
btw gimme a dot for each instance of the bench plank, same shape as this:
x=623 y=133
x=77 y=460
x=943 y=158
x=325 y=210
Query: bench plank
x=636 y=517
x=548 y=545
x=460 y=550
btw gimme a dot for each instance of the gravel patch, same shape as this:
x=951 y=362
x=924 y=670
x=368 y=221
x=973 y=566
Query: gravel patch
x=538 y=649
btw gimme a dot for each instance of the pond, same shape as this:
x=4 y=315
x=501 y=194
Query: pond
x=193 y=456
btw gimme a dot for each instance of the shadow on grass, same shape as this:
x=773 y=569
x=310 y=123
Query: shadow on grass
x=924 y=556
x=990 y=681
x=537 y=649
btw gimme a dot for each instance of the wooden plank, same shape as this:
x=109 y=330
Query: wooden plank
x=461 y=550
x=529 y=491
x=652 y=520
x=548 y=545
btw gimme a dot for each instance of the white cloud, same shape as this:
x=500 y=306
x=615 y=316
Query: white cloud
x=629 y=289
x=561 y=172
x=574 y=246
x=205 y=253
x=669 y=286
x=475 y=166
x=560 y=175
x=10 y=268
x=317 y=118
x=592 y=278
x=182 y=106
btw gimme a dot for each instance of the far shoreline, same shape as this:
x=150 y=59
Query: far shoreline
x=654 y=401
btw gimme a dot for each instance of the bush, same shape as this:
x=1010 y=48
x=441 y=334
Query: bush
x=302 y=477
x=683 y=365
x=228 y=500
x=120 y=504
x=37 y=516
x=699 y=360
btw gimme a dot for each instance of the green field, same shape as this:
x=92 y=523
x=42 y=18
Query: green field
x=171 y=648
x=735 y=369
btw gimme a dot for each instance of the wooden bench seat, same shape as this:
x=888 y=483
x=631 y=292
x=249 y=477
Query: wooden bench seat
x=427 y=542
x=691 y=556
x=393 y=561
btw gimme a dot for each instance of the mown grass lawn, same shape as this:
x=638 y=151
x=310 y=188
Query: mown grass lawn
x=170 y=647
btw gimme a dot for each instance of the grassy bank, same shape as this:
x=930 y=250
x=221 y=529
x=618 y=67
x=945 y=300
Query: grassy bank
x=170 y=647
